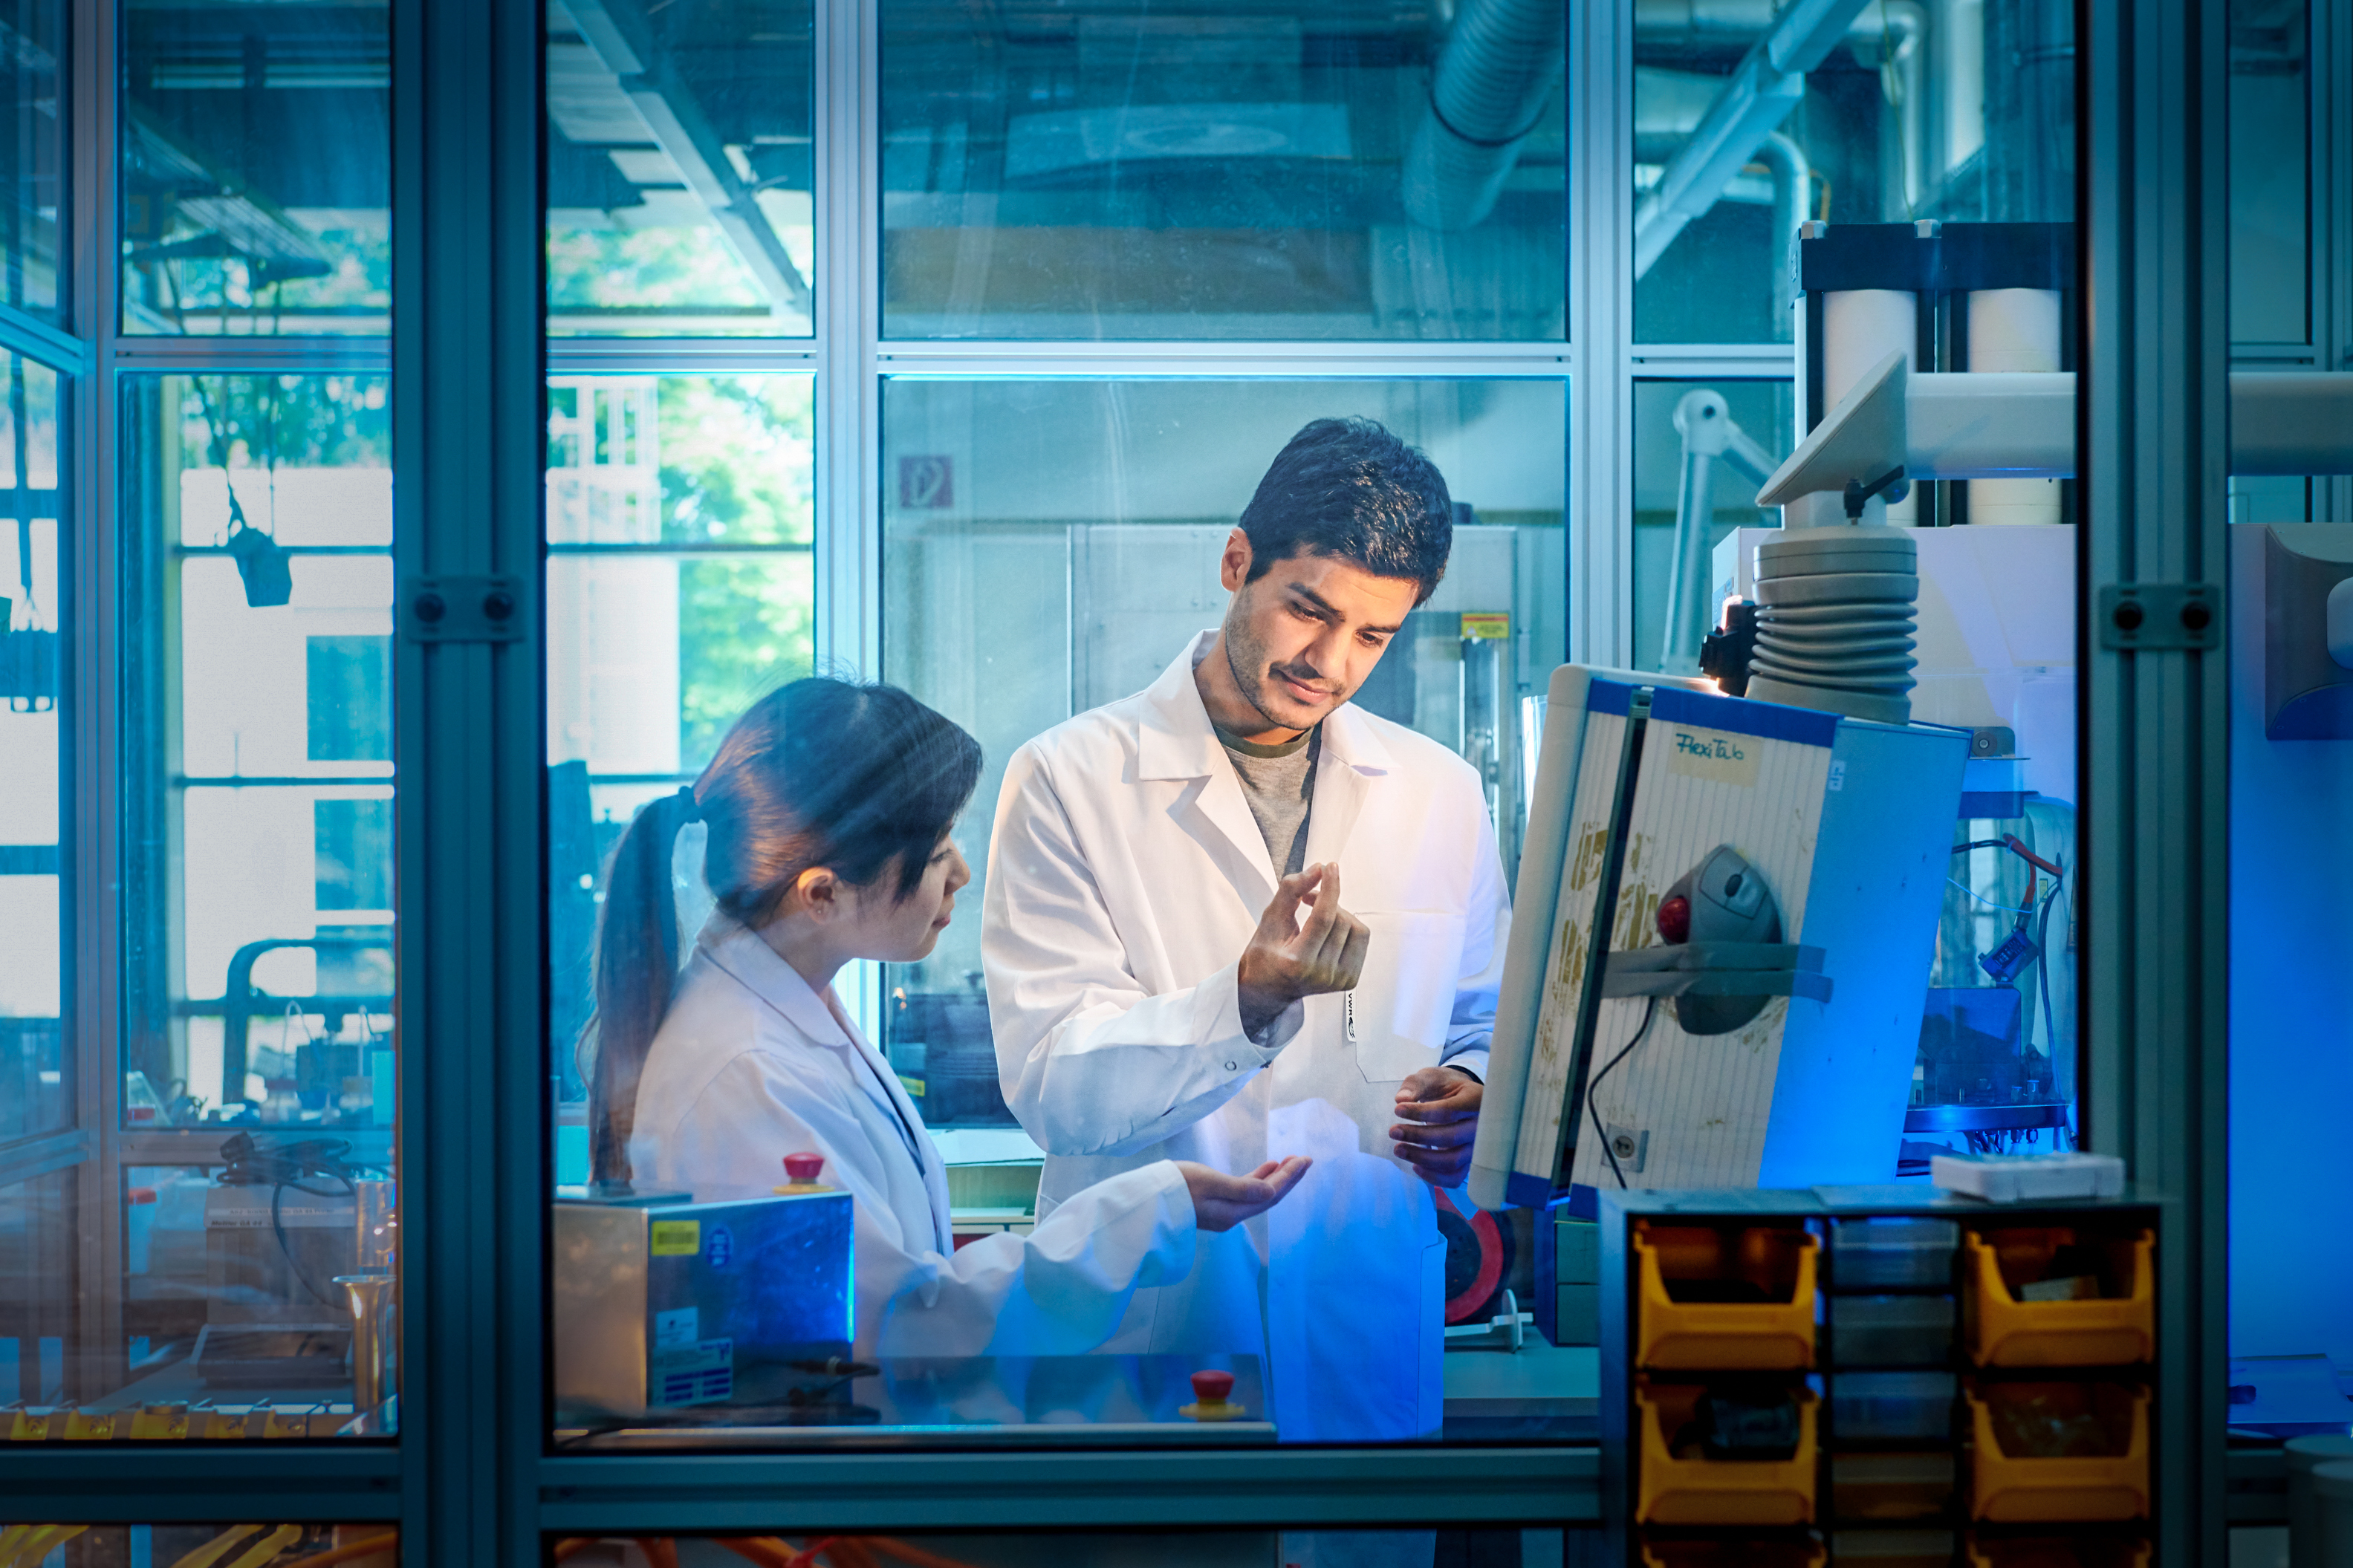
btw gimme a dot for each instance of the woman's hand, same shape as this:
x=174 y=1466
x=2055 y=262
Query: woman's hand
x=1221 y=1202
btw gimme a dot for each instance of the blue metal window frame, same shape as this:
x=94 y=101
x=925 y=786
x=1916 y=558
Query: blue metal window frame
x=470 y=1479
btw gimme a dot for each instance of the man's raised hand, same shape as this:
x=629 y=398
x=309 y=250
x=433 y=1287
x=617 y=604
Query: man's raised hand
x=1288 y=959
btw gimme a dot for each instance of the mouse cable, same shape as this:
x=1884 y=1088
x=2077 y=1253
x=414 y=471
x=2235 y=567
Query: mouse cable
x=1650 y=1016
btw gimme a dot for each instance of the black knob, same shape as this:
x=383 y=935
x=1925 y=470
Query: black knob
x=497 y=604
x=429 y=608
x=2196 y=616
x=2127 y=615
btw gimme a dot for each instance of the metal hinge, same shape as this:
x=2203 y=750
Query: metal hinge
x=2149 y=617
x=486 y=608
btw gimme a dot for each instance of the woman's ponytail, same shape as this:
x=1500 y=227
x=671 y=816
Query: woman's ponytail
x=862 y=779
x=636 y=966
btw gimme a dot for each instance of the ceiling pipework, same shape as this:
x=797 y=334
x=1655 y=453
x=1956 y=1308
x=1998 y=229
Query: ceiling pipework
x=1500 y=60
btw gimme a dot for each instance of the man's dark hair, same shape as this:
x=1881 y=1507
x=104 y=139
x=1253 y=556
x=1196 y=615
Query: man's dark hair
x=1349 y=488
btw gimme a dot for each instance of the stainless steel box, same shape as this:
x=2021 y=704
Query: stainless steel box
x=666 y=1304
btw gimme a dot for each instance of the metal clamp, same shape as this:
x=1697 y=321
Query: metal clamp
x=2152 y=617
x=1718 y=969
x=485 y=608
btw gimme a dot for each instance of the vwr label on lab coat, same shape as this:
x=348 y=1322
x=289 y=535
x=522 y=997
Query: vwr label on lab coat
x=1716 y=755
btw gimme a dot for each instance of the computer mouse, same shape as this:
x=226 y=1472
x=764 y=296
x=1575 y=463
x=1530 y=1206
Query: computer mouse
x=1724 y=899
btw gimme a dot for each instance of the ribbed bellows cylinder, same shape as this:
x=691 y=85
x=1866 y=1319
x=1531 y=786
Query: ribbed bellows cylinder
x=1834 y=621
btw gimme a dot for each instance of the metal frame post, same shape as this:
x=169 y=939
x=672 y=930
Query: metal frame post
x=2154 y=758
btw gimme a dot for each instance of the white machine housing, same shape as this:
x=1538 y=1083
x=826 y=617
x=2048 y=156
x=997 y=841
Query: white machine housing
x=1851 y=823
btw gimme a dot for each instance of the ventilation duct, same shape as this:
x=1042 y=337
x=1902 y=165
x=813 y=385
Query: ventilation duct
x=1500 y=63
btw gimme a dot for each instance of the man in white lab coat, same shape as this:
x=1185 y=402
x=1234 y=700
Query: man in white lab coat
x=1173 y=974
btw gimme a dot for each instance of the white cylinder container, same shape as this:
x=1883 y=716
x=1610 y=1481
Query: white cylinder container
x=1861 y=326
x=2014 y=330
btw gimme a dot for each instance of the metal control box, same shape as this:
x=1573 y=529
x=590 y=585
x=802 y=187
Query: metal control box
x=664 y=1304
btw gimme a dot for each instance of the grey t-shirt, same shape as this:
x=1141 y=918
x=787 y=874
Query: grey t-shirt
x=1279 y=782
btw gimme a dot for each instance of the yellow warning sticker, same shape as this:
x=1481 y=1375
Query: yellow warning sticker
x=677 y=1237
x=1486 y=626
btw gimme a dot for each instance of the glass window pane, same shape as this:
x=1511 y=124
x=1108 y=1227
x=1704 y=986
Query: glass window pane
x=39 y=1311
x=1682 y=442
x=1961 y=113
x=1048 y=546
x=2289 y=630
x=679 y=518
x=2270 y=169
x=36 y=1087
x=679 y=168
x=33 y=134
x=256 y=169
x=1300 y=171
x=253 y=1186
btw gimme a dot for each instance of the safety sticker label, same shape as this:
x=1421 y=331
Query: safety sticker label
x=694 y=1374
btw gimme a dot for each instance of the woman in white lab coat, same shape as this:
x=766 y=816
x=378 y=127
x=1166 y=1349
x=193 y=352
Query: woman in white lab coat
x=827 y=810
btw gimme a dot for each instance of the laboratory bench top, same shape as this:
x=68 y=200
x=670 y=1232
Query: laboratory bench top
x=991 y=1401
x=1538 y=1392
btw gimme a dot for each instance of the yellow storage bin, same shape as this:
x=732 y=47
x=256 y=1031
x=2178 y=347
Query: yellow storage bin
x=2098 y=1489
x=1679 y=1266
x=2117 y=1329
x=1669 y=1490
x=2058 y=1552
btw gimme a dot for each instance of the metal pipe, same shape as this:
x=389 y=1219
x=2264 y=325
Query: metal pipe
x=1709 y=433
x=1757 y=97
x=1902 y=78
x=1500 y=60
x=2286 y=422
x=372 y=1296
x=1793 y=178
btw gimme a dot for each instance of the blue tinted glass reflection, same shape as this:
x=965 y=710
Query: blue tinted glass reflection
x=256 y=168
x=34 y=1083
x=1748 y=122
x=679 y=168
x=1315 y=170
x=33 y=137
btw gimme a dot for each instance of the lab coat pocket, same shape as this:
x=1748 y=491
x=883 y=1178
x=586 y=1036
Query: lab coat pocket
x=1395 y=1020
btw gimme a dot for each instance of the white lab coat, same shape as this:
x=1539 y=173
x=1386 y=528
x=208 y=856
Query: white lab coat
x=751 y=1065
x=1125 y=876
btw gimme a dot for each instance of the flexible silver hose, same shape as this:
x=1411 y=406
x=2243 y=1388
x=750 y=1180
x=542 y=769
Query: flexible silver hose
x=1500 y=63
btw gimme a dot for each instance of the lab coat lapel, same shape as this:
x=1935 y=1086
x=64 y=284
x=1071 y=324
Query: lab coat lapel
x=927 y=1154
x=1175 y=741
x=741 y=953
x=1351 y=765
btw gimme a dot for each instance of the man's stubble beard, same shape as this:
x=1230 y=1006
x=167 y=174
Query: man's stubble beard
x=1247 y=662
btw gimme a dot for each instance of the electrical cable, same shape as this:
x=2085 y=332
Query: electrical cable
x=1650 y=1016
x=1989 y=903
x=245 y=1163
x=2042 y=975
